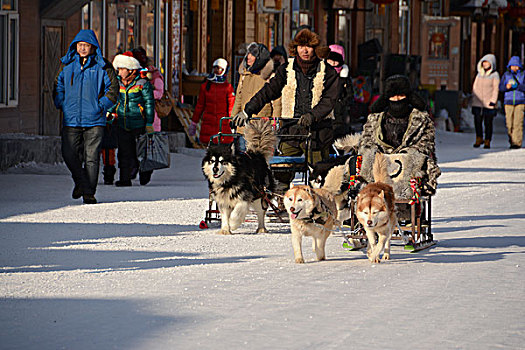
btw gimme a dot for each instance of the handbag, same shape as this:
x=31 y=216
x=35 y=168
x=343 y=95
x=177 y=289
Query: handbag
x=164 y=105
x=153 y=151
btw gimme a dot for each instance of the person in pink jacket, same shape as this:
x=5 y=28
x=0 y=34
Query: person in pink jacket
x=484 y=98
x=154 y=77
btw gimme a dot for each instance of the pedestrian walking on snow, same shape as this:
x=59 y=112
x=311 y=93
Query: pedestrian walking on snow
x=484 y=99
x=513 y=85
x=85 y=88
x=215 y=101
x=135 y=112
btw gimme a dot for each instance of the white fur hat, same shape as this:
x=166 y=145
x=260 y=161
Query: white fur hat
x=126 y=60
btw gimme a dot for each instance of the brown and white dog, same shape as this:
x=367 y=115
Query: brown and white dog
x=375 y=210
x=312 y=213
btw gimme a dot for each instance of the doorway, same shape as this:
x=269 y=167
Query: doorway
x=53 y=48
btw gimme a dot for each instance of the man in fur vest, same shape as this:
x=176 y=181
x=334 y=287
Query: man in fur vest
x=400 y=127
x=308 y=87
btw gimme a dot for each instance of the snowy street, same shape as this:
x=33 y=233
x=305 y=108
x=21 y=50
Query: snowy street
x=136 y=272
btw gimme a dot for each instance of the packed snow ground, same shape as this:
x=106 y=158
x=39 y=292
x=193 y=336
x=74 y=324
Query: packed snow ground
x=136 y=272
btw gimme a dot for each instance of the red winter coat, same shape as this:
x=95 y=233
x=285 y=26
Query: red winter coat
x=213 y=104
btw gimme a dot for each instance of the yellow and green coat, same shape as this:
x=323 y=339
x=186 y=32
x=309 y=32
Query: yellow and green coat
x=135 y=105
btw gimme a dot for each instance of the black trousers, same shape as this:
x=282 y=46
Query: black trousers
x=80 y=150
x=127 y=151
x=483 y=117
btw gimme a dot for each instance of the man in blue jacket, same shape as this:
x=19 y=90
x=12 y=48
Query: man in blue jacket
x=513 y=85
x=85 y=88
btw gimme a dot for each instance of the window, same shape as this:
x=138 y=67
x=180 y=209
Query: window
x=9 y=53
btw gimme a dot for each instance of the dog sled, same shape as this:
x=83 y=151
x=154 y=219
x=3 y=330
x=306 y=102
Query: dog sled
x=343 y=177
x=415 y=233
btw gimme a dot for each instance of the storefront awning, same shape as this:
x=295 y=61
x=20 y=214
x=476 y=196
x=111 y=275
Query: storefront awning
x=60 y=9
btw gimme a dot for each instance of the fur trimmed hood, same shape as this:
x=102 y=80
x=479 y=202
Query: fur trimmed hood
x=265 y=72
x=311 y=39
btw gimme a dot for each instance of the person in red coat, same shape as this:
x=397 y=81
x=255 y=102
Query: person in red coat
x=215 y=101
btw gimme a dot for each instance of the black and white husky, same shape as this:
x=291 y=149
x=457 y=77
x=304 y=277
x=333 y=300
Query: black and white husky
x=237 y=180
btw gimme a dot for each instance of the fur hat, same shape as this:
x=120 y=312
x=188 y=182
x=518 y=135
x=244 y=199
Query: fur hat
x=308 y=38
x=397 y=85
x=126 y=60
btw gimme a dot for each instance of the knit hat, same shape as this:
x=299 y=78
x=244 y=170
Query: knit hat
x=308 y=38
x=337 y=53
x=126 y=60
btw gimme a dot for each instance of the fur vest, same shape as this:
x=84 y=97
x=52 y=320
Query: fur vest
x=415 y=156
x=289 y=90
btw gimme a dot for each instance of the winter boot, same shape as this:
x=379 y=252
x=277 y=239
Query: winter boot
x=77 y=192
x=109 y=174
x=145 y=177
x=125 y=178
x=479 y=141
x=89 y=199
x=487 y=144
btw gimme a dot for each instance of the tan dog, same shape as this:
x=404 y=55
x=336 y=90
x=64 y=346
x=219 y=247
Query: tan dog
x=375 y=210
x=312 y=213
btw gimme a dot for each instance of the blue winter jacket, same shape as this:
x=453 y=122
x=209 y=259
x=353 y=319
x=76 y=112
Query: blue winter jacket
x=85 y=93
x=514 y=95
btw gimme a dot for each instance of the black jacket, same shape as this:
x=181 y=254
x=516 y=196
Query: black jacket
x=345 y=99
x=321 y=128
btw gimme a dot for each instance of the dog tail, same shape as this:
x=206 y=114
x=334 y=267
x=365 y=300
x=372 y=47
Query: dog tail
x=348 y=143
x=380 y=169
x=260 y=138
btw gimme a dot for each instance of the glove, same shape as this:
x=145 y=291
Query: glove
x=192 y=129
x=149 y=129
x=240 y=119
x=306 y=120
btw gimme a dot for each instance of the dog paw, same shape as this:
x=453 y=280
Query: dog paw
x=261 y=230
x=224 y=232
x=321 y=258
x=386 y=256
x=299 y=260
x=374 y=260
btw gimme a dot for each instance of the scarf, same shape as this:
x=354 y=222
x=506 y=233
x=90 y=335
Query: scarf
x=307 y=66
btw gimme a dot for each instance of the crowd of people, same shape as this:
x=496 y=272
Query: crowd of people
x=108 y=106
